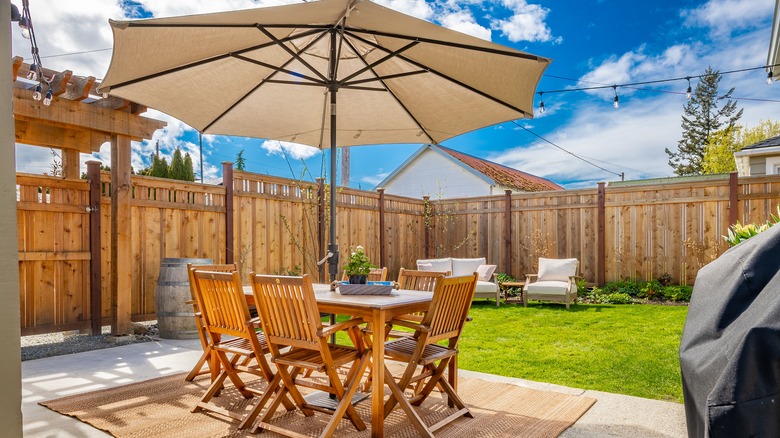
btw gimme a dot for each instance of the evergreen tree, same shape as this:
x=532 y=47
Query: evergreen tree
x=702 y=118
x=189 y=171
x=159 y=167
x=240 y=161
x=177 y=169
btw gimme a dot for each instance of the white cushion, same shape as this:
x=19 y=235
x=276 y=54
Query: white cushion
x=550 y=288
x=485 y=286
x=485 y=272
x=556 y=269
x=461 y=267
x=424 y=267
x=439 y=265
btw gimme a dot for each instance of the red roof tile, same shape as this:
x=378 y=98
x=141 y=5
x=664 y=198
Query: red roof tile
x=503 y=175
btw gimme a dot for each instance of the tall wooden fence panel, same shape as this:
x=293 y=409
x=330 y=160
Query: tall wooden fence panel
x=169 y=219
x=404 y=234
x=53 y=231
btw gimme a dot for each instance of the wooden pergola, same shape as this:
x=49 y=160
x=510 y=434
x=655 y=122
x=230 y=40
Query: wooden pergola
x=81 y=121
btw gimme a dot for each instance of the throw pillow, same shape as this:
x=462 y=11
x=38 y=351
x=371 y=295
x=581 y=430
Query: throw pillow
x=485 y=272
x=557 y=269
x=424 y=267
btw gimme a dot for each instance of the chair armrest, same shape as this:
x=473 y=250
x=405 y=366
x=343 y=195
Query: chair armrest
x=327 y=331
x=530 y=278
x=494 y=277
x=410 y=324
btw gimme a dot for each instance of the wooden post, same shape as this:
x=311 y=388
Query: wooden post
x=427 y=222
x=121 y=237
x=10 y=344
x=508 y=232
x=382 y=237
x=321 y=226
x=95 y=274
x=733 y=198
x=70 y=164
x=227 y=182
x=601 y=253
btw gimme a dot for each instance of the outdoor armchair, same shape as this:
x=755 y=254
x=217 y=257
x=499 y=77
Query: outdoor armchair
x=555 y=281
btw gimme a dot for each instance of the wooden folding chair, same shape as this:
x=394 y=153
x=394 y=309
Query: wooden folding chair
x=443 y=322
x=206 y=357
x=289 y=315
x=224 y=310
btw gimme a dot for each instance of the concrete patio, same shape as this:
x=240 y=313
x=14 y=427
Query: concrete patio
x=43 y=379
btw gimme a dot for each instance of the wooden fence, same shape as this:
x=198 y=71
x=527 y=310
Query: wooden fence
x=269 y=224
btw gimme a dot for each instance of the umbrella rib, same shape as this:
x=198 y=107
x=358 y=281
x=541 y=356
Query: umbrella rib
x=384 y=78
x=380 y=61
x=213 y=59
x=293 y=53
x=397 y=100
x=448 y=43
x=314 y=81
x=444 y=76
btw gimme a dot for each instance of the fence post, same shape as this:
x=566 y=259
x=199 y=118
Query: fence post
x=227 y=182
x=733 y=198
x=321 y=226
x=427 y=221
x=95 y=274
x=508 y=231
x=600 y=236
x=382 y=252
x=121 y=237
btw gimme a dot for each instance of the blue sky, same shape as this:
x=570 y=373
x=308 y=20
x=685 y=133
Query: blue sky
x=591 y=42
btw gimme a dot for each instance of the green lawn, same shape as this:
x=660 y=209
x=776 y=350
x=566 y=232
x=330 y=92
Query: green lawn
x=624 y=349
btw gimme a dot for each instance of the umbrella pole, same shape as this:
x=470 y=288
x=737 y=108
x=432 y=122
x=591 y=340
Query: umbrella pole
x=333 y=247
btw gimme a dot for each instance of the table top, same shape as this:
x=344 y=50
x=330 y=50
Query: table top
x=397 y=298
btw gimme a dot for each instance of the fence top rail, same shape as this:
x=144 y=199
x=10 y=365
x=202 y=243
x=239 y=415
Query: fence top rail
x=167 y=183
x=24 y=179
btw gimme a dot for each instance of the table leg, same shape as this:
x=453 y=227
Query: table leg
x=378 y=378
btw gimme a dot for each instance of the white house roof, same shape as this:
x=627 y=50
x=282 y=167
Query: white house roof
x=492 y=173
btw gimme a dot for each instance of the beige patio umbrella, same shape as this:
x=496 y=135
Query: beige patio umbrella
x=278 y=73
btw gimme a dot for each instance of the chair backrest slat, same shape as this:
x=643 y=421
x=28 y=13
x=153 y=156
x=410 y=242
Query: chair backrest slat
x=287 y=309
x=411 y=279
x=222 y=302
x=450 y=306
x=230 y=267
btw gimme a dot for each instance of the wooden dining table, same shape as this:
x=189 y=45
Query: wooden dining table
x=375 y=310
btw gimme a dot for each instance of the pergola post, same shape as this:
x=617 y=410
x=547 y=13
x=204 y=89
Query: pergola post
x=71 y=165
x=95 y=263
x=121 y=237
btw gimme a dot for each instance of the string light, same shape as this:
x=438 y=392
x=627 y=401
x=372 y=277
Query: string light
x=616 y=100
x=688 y=91
x=36 y=66
x=541 y=102
x=769 y=78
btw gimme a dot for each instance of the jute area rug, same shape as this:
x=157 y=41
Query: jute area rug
x=161 y=408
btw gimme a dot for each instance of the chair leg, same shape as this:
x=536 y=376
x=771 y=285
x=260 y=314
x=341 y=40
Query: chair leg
x=345 y=403
x=397 y=395
x=197 y=369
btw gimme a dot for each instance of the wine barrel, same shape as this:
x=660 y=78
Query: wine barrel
x=175 y=318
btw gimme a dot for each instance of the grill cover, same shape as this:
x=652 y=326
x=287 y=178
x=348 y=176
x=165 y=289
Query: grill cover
x=730 y=348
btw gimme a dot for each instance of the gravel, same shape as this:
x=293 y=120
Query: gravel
x=57 y=344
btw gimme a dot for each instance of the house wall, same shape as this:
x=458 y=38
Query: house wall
x=432 y=174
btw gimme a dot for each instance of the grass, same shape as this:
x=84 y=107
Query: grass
x=624 y=349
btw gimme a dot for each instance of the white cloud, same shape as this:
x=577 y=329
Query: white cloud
x=463 y=21
x=527 y=23
x=293 y=150
x=725 y=17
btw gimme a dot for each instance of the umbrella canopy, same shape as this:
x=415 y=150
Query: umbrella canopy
x=278 y=73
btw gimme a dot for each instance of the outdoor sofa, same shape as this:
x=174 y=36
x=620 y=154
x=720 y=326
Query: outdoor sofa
x=487 y=284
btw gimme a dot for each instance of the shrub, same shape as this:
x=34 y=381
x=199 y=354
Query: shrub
x=628 y=287
x=677 y=293
x=665 y=279
x=616 y=298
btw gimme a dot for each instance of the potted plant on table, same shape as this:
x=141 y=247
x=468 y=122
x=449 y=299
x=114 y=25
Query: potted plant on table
x=358 y=266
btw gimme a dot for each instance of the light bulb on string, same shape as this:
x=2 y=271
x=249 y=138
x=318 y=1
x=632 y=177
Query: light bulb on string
x=32 y=74
x=49 y=95
x=616 y=100
x=769 y=78
x=688 y=91
x=541 y=103
x=38 y=93
x=24 y=23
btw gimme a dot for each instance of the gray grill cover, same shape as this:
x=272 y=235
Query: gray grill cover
x=730 y=348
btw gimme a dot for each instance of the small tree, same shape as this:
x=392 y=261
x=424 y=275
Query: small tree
x=177 y=169
x=159 y=167
x=240 y=161
x=702 y=118
x=189 y=171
